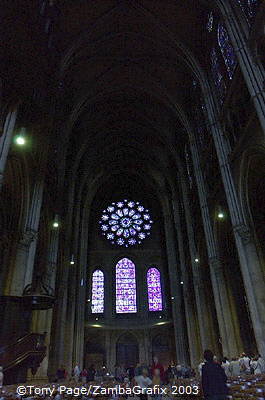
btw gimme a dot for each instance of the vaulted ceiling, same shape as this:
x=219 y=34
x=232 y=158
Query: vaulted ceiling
x=113 y=78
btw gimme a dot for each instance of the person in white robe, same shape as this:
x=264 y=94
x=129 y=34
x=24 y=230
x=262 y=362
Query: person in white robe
x=77 y=373
x=226 y=366
x=235 y=367
x=1 y=377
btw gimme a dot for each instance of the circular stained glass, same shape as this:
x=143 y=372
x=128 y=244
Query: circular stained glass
x=126 y=223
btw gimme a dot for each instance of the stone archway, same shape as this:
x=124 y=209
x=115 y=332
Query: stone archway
x=127 y=350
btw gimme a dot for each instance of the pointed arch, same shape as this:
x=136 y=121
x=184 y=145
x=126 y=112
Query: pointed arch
x=125 y=287
x=97 y=292
x=154 y=290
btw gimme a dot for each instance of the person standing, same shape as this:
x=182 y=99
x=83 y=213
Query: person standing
x=157 y=365
x=61 y=374
x=226 y=366
x=255 y=365
x=245 y=364
x=235 y=367
x=91 y=372
x=1 y=377
x=213 y=379
x=84 y=376
x=76 y=373
x=261 y=363
x=156 y=382
x=143 y=381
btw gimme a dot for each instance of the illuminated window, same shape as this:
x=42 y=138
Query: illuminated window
x=217 y=74
x=126 y=223
x=249 y=7
x=125 y=287
x=97 y=292
x=154 y=290
x=227 y=50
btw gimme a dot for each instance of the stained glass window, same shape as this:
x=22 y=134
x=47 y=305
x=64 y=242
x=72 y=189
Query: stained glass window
x=97 y=306
x=209 y=25
x=226 y=49
x=125 y=287
x=248 y=7
x=154 y=290
x=126 y=223
x=217 y=74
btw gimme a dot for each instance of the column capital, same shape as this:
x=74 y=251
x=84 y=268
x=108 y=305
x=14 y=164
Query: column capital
x=244 y=232
x=27 y=237
x=215 y=264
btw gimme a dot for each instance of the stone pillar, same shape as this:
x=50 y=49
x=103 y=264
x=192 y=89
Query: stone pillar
x=250 y=262
x=191 y=315
x=20 y=273
x=253 y=72
x=109 y=365
x=25 y=257
x=5 y=141
x=42 y=319
x=206 y=324
x=231 y=342
x=81 y=288
x=178 y=314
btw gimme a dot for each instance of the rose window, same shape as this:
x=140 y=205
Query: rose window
x=126 y=223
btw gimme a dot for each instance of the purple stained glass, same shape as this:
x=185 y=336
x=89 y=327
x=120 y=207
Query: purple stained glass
x=126 y=223
x=97 y=292
x=227 y=50
x=125 y=287
x=217 y=75
x=154 y=290
x=249 y=7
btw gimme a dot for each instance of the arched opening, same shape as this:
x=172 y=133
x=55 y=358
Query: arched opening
x=125 y=287
x=97 y=298
x=154 y=290
x=127 y=350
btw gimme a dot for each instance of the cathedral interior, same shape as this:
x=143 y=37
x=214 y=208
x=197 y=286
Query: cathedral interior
x=132 y=196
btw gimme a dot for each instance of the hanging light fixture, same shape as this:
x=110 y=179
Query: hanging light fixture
x=55 y=223
x=20 y=139
x=72 y=260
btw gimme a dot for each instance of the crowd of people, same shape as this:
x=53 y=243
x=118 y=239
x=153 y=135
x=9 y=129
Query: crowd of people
x=242 y=365
x=121 y=372
x=212 y=375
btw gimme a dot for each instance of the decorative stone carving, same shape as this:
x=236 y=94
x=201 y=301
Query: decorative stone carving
x=244 y=232
x=216 y=265
x=28 y=237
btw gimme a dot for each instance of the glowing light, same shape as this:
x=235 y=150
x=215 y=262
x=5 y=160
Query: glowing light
x=20 y=140
x=55 y=224
x=221 y=215
x=196 y=260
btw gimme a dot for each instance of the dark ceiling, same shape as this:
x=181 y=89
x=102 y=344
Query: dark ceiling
x=110 y=75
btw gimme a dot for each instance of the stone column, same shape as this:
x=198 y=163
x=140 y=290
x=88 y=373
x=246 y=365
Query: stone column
x=25 y=257
x=253 y=72
x=5 y=141
x=206 y=324
x=42 y=319
x=79 y=332
x=250 y=262
x=191 y=315
x=178 y=314
x=231 y=342
x=20 y=273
